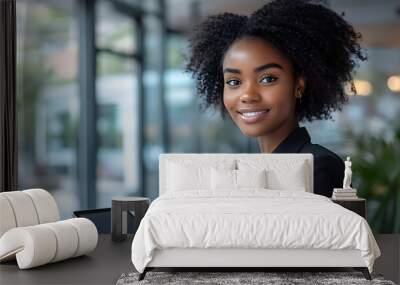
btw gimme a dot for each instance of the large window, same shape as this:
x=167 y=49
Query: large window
x=48 y=99
x=48 y=41
x=117 y=91
x=154 y=113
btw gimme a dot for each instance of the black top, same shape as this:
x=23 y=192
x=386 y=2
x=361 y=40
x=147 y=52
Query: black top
x=328 y=166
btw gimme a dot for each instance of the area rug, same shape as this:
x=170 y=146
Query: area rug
x=229 y=278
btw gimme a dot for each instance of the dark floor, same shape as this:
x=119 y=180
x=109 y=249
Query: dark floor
x=111 y=259
x=389 y=262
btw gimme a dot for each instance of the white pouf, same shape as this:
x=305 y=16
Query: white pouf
x=40 y=244
x=31 y=233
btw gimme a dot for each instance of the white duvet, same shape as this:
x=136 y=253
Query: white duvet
x=250 y=219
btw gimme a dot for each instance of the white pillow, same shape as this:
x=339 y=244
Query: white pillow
x=293 y=179
x=281 y=174
x=183 y=176
x=251 y=178
x=225 y=179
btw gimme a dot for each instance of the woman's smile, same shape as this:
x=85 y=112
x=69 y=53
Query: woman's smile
x=253 y=116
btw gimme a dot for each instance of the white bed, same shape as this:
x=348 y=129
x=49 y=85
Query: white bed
x=289 y=226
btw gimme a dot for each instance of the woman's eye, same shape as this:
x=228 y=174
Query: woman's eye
x=268 y=79
x=233 y=82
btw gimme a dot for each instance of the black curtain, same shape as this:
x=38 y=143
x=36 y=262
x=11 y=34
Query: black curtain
x=8 y=123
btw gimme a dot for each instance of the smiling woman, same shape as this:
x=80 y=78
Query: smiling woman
x=287 y=62
x=259 y=98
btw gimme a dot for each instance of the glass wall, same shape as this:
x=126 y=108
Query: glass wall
x=48 y=99
x=117 y=91
x=154 y=114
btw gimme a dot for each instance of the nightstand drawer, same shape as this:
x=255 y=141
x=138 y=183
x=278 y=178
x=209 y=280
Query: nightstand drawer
x=358 y=206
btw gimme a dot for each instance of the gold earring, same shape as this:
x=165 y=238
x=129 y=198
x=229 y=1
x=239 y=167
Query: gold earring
x=299 y=95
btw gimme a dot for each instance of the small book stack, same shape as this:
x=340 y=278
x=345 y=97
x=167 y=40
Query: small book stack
x=344 y=194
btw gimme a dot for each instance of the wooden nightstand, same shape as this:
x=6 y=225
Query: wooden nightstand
x=358 y=205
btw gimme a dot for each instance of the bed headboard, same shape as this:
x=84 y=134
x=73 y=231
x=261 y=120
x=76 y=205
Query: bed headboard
x=288 y=158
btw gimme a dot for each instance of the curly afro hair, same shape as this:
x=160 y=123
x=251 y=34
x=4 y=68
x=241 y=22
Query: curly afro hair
x=320 y=44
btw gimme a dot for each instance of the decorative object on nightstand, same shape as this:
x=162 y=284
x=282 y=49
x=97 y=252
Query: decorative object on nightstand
x=120 y=208
x=347 y=196
x=347 y=174
x=358 y=205
x=339 y=193
x=346 y=193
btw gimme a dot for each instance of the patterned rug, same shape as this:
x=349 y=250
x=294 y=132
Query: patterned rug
x=230 y=278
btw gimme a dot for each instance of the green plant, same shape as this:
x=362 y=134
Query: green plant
x=376 y=172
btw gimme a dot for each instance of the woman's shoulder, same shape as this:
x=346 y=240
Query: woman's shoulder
x=323 y=156
x=328 y=169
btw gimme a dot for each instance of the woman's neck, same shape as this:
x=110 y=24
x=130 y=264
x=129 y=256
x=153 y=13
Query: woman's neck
x=270 y=141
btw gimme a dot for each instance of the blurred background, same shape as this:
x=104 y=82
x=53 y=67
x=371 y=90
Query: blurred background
x=102 y=92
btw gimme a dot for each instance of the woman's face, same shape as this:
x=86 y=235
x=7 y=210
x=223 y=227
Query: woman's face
x=259 y=87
